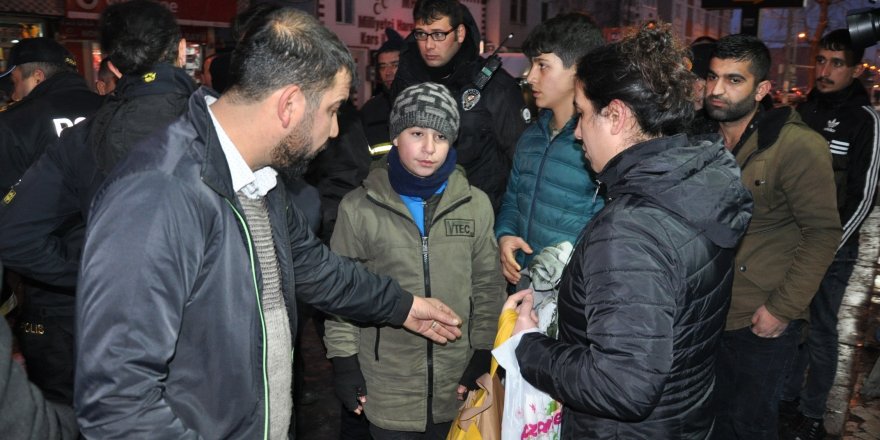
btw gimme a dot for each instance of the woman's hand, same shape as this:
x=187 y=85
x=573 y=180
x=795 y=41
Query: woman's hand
x=522 y=302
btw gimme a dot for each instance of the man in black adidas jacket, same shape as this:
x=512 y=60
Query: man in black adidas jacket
x=52 y=97
x=839 y=109
x=443 y=48
x=42 y=220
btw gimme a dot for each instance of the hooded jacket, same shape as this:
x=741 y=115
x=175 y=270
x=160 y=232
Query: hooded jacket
x=851 y=126
x=169 y=298
x=551 y=194
x=35 y=122
x=643 y=299
x=456 y=262
x=58 y=190
x=489 y=131
x=795 y=228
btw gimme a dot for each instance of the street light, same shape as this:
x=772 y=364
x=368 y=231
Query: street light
x=791 y=71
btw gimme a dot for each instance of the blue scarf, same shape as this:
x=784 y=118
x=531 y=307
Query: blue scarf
x=406 y=183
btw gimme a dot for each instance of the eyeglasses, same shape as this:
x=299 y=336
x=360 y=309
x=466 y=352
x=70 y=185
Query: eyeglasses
x=436 y=36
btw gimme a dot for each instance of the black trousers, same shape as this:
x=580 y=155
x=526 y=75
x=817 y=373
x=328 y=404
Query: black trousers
x=45 y=334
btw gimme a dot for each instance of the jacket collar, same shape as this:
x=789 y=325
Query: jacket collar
x=768 y=124
x=163 y=78
x=854 y=94
x=378 y=188
x=60 y=81
x=622 y=165
x=694 y=179
x=215 y=171
x=544 y=118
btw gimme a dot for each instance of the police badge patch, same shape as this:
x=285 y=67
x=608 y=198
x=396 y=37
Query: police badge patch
x=469 y=99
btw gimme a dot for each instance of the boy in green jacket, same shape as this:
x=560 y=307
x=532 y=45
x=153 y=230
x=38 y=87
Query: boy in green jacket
x=420 y=222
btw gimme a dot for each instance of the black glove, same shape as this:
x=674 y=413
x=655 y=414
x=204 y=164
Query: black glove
x=348 y=381
x=479 y=365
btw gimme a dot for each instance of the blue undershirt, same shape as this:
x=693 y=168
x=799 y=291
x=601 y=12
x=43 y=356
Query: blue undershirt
x=416 y=207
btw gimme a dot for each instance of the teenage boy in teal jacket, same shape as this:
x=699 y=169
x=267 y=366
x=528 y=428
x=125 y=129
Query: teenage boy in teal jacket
x=550 y=195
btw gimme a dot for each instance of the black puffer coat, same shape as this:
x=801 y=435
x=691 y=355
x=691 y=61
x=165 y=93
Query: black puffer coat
x=643 y=300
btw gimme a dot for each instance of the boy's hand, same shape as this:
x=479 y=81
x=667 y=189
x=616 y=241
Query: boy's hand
x=507 y=247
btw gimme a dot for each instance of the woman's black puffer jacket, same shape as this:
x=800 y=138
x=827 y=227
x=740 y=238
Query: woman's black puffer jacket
x=643 y=300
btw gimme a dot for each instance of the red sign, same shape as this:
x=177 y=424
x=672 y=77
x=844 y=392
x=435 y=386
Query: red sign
x=215 y=13
x=733 y=4
x=79 y=30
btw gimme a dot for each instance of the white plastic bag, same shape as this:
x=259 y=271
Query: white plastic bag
x=528 y=413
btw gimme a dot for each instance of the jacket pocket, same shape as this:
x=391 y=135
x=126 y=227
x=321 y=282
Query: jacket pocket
x=755 y=265
x=756 y=180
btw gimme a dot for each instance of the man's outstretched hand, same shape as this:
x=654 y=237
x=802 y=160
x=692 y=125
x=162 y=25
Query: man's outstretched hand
x=434 y=320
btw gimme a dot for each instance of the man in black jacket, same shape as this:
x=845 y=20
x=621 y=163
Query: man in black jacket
x=52 y=97
x=41 y=225
x=374 y=113
x=443 y=48
x=839 y=109
x=194 y=257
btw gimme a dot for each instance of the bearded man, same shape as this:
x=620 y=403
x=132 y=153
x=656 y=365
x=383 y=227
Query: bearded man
x=790 y=242
x=194 y=258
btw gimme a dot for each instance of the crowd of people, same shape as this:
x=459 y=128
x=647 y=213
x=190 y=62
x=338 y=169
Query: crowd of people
x=165 y=243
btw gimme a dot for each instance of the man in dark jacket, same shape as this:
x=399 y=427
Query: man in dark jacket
x=642 y=300
x=52 y=97
x=339 y=168
x=42 y=224
x=194 y=258
x=790 y=242
x=443 y=48
x=837 y=108
x=374 y=113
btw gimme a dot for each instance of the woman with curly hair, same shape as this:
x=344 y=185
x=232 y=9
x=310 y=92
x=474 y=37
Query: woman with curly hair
x=643 y=299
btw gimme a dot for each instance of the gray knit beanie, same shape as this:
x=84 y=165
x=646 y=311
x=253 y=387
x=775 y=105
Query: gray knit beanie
x=426 y=105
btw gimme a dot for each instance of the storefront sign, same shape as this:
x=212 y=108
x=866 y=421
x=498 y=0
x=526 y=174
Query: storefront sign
x=734 y=4
x=214 y=13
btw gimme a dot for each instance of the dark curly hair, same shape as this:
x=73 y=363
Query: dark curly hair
x=647 y=71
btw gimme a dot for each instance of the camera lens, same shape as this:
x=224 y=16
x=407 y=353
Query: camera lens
x=864 y=26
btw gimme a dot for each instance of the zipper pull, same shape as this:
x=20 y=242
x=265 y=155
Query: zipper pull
x=424 y=249
x=596 y=194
